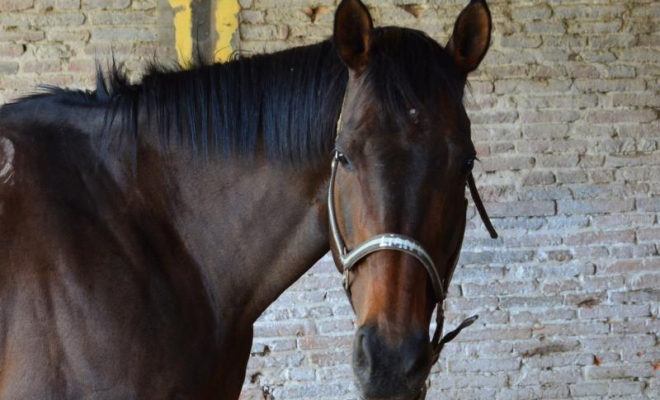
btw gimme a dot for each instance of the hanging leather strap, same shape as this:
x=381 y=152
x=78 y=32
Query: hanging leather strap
x=480 y=207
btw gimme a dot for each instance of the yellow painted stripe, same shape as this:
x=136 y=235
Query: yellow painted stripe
x=226 y=24
x=183 y=30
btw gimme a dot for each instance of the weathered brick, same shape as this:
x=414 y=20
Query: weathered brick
x=498 y=163
x=623 y=116
x=600 y=206
x=648 y=234
x=614 y=312
x=573 y=328
x=539 y=178
x=548 y=116
x=106 y=4
x=545 y=131
x=633 y=160
x=118 y=34
x=529 y=302
x=121 y=18
x=633 y=100
x=589 y=238
x=591 y=27
x=608 y=86
x=649 y=204
x=546 y=391
x=497 y=288
x=70 y=36
x=11 y=51
x=543 y=27
x=646 y=281
x=620 y=371
x=143 y=4
x=542 y=11
x=547 y=315
x=41 y=67
x=21 y=36
x=484 y=365
x=557 y=161
x=522 y=208
x=507 y=86
x=60 y=19
x=579 y=11
x=558 y=285
x=595 y=283
x=15 y=5
x=590 y=389
x=517 y=41
x=8 y=67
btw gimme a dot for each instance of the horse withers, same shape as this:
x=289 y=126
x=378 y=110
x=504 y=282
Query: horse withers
x=145 y=227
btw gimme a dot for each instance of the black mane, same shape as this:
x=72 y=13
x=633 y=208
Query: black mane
x=289 y=99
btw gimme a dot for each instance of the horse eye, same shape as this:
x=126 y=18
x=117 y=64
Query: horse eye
x=341 y=157
x=468 y=166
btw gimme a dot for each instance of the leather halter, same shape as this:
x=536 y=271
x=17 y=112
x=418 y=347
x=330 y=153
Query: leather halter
x=392 y=241
x=387 y=241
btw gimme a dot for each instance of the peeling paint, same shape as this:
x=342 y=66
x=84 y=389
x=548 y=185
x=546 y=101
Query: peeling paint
x=183 y=30
x=226 y=24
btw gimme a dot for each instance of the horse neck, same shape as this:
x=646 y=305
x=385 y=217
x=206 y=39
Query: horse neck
x=252 y=227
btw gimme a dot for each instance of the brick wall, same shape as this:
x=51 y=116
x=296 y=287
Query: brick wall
x=565 y=119
x=57 y=41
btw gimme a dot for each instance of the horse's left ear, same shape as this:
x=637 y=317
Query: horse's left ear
x=352 y=33
x=471 y=37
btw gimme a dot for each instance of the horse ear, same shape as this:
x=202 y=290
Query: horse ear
x=471 y=37
x=352 y=33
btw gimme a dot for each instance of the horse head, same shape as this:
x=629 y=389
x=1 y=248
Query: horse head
x=397 y=205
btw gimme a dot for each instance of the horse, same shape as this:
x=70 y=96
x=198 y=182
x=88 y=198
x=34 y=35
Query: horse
x=146 y=226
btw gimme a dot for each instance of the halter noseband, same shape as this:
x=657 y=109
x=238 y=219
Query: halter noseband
x=392 y=241
x=387 y=241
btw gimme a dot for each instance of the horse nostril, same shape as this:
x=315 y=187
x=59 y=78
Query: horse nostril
x=388 y=369
x=364 y=356
x=417 y=365
x=418 y=356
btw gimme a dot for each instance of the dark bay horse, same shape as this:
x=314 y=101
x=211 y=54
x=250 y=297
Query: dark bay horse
x=145 y=227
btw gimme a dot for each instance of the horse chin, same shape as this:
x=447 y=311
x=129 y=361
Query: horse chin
x=382 y=391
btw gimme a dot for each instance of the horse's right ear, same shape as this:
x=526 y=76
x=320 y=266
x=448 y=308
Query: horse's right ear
x=471 y=37
x=352 y=34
